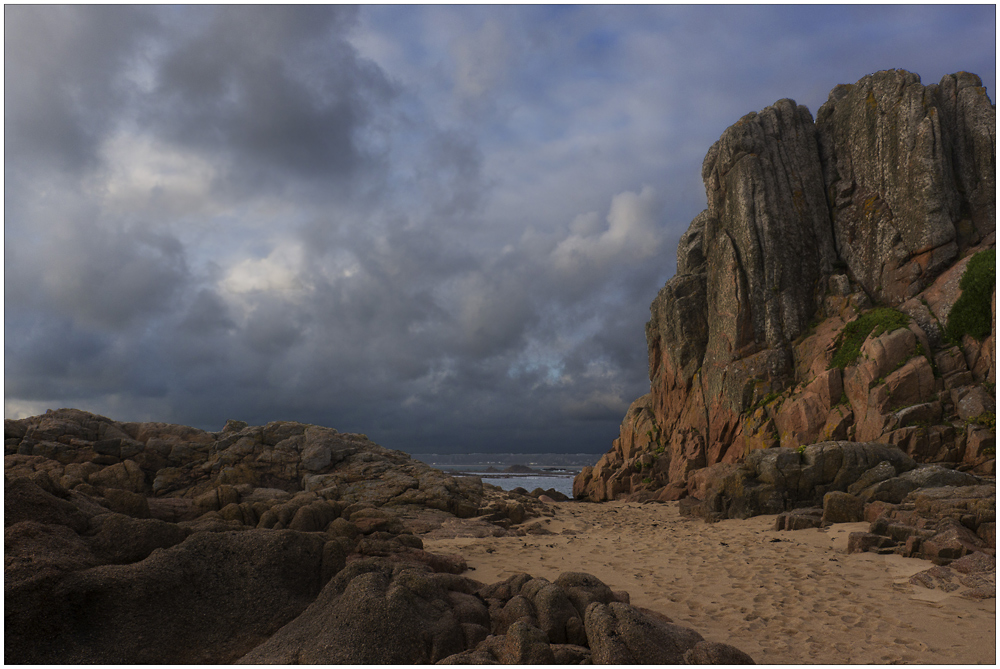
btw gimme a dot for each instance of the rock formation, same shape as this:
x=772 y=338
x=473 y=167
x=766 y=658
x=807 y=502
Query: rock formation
x=276 y=476
x=419 y=617
x=869 y=215
x=149 y=543
x=925 y=511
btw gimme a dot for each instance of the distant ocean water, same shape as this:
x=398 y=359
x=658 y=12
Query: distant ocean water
x=549 y=470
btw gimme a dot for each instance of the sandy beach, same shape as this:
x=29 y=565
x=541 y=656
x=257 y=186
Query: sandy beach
x=783 y=597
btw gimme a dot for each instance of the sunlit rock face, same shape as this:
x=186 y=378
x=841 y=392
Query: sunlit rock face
x=879 y=202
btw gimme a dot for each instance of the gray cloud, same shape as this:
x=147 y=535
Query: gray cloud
x=277 y=90
x=63 y=88
x=439 y=226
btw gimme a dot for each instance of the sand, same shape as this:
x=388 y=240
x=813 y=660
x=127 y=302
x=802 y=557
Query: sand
x=783 y=597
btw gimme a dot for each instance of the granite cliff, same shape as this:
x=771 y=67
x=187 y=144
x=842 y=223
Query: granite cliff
x=813 y=296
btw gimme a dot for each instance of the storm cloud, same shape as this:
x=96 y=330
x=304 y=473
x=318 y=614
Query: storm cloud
x=441 y=226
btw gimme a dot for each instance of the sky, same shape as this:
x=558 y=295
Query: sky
x=441 y=226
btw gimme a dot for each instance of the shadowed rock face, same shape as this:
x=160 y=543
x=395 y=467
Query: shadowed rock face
x=83 y=584
x=178 y=546
x=97 y=586
x=881 y=201
x=907 y=168
x=767 y=230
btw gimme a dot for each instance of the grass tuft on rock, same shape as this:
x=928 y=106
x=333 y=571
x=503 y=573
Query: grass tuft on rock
x=852 y=337
x=971 y=314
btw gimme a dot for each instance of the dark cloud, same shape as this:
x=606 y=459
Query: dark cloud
x=100 y=278
x=439 y=226
x=63 y=83
x=276 y=90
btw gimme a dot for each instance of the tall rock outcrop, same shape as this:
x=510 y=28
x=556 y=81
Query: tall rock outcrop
x=808 y=225
x=910 y=174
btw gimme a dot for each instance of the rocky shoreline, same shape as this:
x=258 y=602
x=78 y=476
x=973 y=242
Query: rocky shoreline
x=313 y=543
x=828 y=393
x=153 y=543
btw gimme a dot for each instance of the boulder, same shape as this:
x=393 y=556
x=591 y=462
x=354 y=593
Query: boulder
x=125 y=475
x=552 y=494
x=799 y=519
x=200 y=590
x=524 y=644
x=118 y=539
x=24 y=500
x=622 y=634
x=842 y=507
x=775 y=479
x=974 y=403
x=937 y=523
x=859 y=542
x=126 y=502
x=976 y=572
x=583 y=590
x=372 y=612
x=880 y=472
x=714 y=652
x=951 y=540
x=557 y=616
x=35 y=555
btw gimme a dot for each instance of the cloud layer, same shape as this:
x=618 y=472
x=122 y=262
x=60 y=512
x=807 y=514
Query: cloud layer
x=441 y=226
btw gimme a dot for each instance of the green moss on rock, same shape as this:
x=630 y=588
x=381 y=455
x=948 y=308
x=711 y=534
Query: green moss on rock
x=971 y=314
x=852 y=337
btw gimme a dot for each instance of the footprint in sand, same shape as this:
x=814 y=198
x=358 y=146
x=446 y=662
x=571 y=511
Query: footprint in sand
x=912 y=644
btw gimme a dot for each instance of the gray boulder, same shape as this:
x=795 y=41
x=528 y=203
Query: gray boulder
x=895 y=489
x=880 y=472
x=373 y=612
x=583 y=590
x=842 y=507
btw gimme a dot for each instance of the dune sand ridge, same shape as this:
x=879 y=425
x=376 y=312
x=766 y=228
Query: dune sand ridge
x=782 y=597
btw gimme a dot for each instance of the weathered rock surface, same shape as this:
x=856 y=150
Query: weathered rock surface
x=880 y=202
x=835 y=482
x=241 y=554
x=941 y=524
x=267 y=476
x=775 y=480
x=374 y=612
x=121 y=539
x=976 y=573
x=910 y=174
x=97 y=586
x=927 y=511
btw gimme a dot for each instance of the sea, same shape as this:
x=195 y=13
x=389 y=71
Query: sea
x=547 y=470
